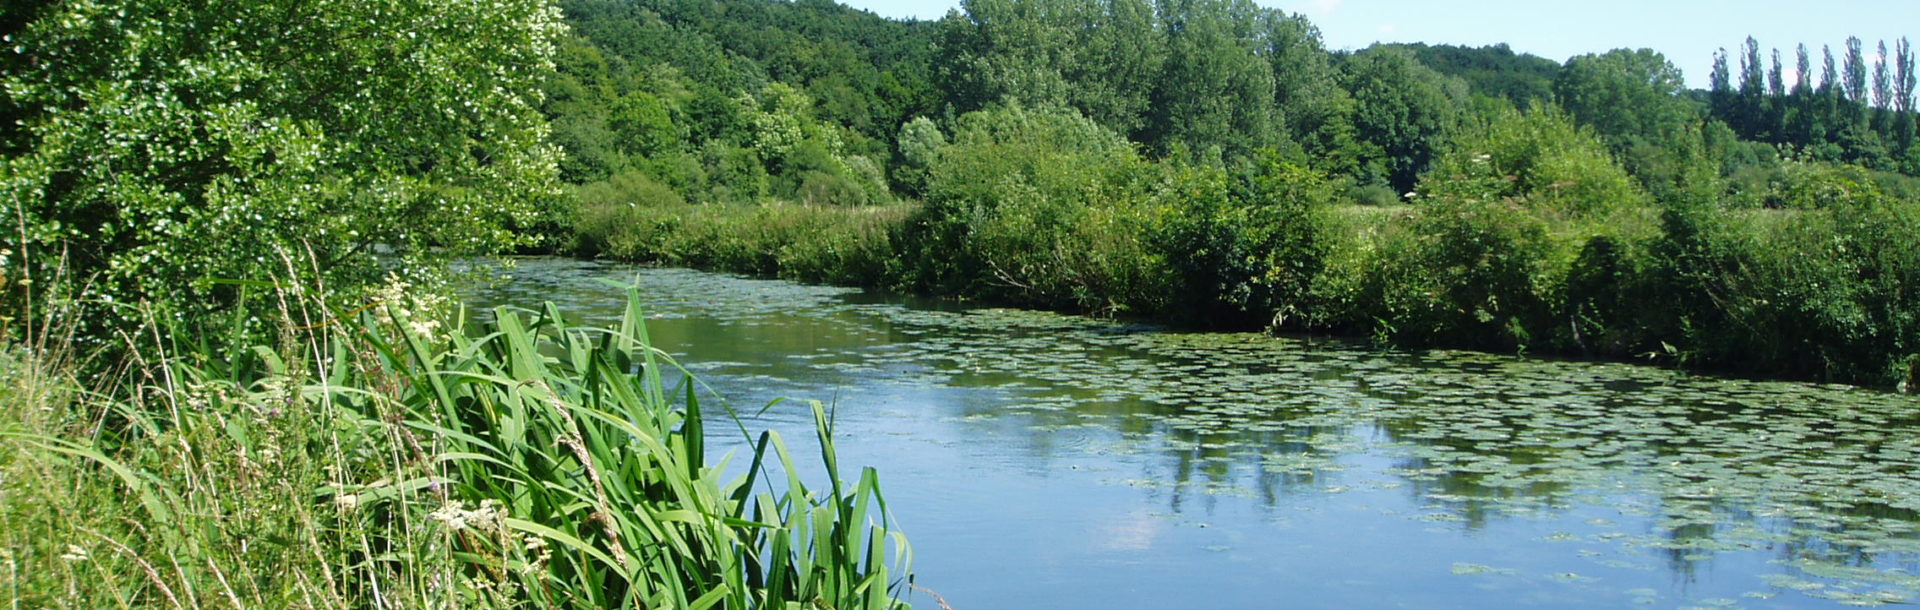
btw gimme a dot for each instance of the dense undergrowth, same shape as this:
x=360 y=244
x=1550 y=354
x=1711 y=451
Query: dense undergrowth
x=394 y=458
x=1526 y=235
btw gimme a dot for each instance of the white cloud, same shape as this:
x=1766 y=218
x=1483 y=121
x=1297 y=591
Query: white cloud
x=1388 y=29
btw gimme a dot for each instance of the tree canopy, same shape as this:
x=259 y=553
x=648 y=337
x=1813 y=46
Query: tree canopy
x=169 y=149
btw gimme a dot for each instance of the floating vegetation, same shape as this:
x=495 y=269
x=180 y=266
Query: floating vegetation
x=1636 y=467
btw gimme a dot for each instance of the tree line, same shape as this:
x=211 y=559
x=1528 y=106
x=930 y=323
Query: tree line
x=1858 y=111
x=1210 y=161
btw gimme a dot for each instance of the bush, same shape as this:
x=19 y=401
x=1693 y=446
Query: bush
x=1821 y=292
x=1544 y=160
x=182 y=153
x=1372 y=194
x=843 y=245
x=1244 y=250
x=1467 y=271
x=1042 y=207
x=611 y=213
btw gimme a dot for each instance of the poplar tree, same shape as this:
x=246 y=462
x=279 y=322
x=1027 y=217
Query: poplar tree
x=1856 y=72
x=1751 y=118
x=1882 y=81
x=1720 y=86
x=1903 y=76
x=1829 y=79
x=1776 y=84
x=1803 y=71
x=1751 y=80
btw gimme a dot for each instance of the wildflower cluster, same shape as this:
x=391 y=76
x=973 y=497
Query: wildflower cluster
x=401 y=304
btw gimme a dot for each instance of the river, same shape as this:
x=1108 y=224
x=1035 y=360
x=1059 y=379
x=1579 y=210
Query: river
x=1040 y=460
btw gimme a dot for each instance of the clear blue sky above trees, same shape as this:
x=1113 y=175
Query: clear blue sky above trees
x=1686 y=31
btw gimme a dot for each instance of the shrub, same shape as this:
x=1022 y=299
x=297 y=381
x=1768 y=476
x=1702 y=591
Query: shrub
x=610 y=213
x=1038 y=206
x=1542 y=158
x=1372 y=194
x=181 y=153
x=1246 y=249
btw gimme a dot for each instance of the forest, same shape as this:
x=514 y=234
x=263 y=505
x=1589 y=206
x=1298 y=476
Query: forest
x=1211 y=161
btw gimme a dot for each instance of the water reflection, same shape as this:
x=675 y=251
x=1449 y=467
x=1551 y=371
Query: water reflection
x=1786 y=494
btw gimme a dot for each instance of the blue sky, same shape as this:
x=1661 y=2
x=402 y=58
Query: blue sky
x=1686 y=31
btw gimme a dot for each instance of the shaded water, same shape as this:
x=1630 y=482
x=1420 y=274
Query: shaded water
x=1037 y=460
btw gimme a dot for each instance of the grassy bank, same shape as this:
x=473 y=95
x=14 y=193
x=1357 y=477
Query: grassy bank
x=394 y=458
x=1521 y=249
x=838 y=245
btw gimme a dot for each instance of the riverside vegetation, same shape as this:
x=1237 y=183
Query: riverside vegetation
x=184 y=182
x=227 y=378
x=1209 y=162
x=397 y=459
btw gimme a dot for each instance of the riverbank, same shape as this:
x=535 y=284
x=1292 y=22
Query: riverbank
x=394 y=457
x=1812 y=292
x=1125 y=466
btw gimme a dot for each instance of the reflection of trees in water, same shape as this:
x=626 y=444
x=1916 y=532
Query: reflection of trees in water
x=1717 y=464
x=1707 y=490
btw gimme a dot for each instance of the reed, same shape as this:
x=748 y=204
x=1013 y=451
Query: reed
x=395 y=459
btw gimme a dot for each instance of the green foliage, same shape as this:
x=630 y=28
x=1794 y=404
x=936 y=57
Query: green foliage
x=841 y=245
x=1041 y=206
x=1022 y=125
x=1540 y=158
x=1403 y=113
x=916 y=149
x=1625 y=95
x=165 y=149
x=1245 y=248
x=1471 y=268
x=1521 y=79
x=1803 y=289
x=1215 y=93
x=1310 y=106
x=392 y=459
x=609 y=210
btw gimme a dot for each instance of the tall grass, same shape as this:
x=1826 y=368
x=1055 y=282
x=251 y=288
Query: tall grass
x=815 y=243
x=391 y=460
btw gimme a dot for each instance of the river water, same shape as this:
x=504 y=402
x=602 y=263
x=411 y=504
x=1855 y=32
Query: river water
x=1038 y=460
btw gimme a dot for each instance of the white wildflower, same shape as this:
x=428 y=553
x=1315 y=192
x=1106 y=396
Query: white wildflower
x=456 y=517
x=424 y=327
x=347 y=502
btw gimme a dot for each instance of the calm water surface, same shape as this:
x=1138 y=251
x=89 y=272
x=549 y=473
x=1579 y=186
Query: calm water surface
x=1037 y=460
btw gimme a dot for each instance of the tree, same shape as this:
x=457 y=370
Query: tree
x=1720 y=98
x=1749 y=116
x=1904 y=78
x=1829 y=80
x=1752 y=82
x=1124 y=59
x=1215 y=96
x=1101 y=57
x=1402 y=110
x=1625 y=95
x=1776 y=84
x=1803 y=71
x=171 y=146
x=1882 y=80
x=1856 y=72
x=1310 y=106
